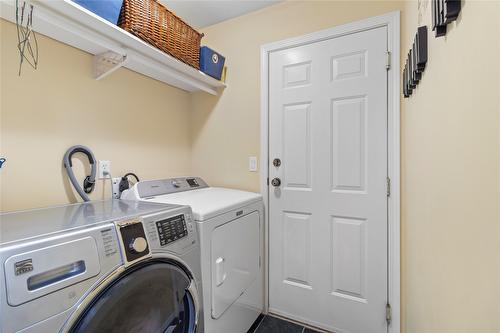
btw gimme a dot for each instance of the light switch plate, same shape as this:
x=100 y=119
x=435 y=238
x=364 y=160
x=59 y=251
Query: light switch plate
x=252 y=164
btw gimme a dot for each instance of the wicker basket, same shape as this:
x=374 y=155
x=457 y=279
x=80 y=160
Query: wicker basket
x=156 y=25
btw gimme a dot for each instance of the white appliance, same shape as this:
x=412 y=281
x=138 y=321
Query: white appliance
x=230 y=225
x=109 y=266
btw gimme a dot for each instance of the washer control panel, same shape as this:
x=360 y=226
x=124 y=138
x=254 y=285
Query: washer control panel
x=152 y=188
x=171 y=229
x=135 y=244
x=173 y=232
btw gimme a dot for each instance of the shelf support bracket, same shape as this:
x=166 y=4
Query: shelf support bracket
x=106 y=63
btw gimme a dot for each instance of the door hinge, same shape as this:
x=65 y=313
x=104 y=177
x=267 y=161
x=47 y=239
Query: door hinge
x=388 y=61
x=388 y=187
x=388 y=314
x=267 y=180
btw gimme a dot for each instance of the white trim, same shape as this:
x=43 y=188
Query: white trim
x=392 y=22
x=264 y=161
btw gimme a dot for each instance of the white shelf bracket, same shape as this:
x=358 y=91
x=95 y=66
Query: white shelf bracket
x=106 y=63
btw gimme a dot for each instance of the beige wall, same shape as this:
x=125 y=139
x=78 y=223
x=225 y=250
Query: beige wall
x=451 y=173
x=137 y=123
x=450 y=150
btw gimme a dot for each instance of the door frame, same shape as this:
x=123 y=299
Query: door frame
x=392 y=22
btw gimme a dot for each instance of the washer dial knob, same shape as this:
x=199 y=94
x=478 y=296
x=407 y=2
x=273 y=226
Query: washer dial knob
x=138 y=245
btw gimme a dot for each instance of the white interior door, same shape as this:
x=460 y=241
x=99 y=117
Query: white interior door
x=328 y=217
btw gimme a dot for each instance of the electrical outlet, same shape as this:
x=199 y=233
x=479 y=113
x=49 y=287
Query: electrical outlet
x=252 y=164
x=104 y=169
x=116 y=187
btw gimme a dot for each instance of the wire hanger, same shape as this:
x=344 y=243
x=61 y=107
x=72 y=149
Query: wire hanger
x=26 y=37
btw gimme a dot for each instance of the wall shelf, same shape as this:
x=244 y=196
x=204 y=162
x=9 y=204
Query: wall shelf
x=67 y=22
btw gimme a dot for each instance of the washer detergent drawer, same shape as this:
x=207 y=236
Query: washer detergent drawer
x=39 y=272
x=235 y=260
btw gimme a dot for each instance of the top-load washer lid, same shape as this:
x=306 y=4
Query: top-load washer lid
x=210 y=201
x=206 y=202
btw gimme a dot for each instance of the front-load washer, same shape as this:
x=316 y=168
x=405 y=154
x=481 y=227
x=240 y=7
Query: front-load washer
x=230 y=224
x=106 y=266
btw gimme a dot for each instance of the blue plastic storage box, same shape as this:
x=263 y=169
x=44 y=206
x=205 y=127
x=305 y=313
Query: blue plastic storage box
x=107 y=9
x=211 y=62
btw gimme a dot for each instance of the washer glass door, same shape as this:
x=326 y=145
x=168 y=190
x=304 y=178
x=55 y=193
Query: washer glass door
x=150 y=298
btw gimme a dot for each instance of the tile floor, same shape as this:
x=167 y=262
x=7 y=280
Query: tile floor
x=271 y=324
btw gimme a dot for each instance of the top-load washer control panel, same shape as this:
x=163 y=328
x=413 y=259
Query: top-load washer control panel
x=151 y=188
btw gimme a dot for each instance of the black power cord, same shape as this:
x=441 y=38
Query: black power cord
x=125 y=183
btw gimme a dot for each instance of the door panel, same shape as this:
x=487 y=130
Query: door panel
x=328 y=218
x=348 y=242
x=297 y=145
x=297 y=75
x=348 y=66
x=297 y=249
x=235 y=260
x=348 y=132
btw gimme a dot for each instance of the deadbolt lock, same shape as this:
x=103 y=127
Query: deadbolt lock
x=276 y=182
x=276 y=162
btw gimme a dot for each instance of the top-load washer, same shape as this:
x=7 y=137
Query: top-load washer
x=230 y=225
x=107 y=266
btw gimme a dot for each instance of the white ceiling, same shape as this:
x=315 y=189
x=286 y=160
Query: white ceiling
x=202 y=13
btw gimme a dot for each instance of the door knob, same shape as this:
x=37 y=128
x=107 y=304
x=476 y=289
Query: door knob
x=276 y=182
